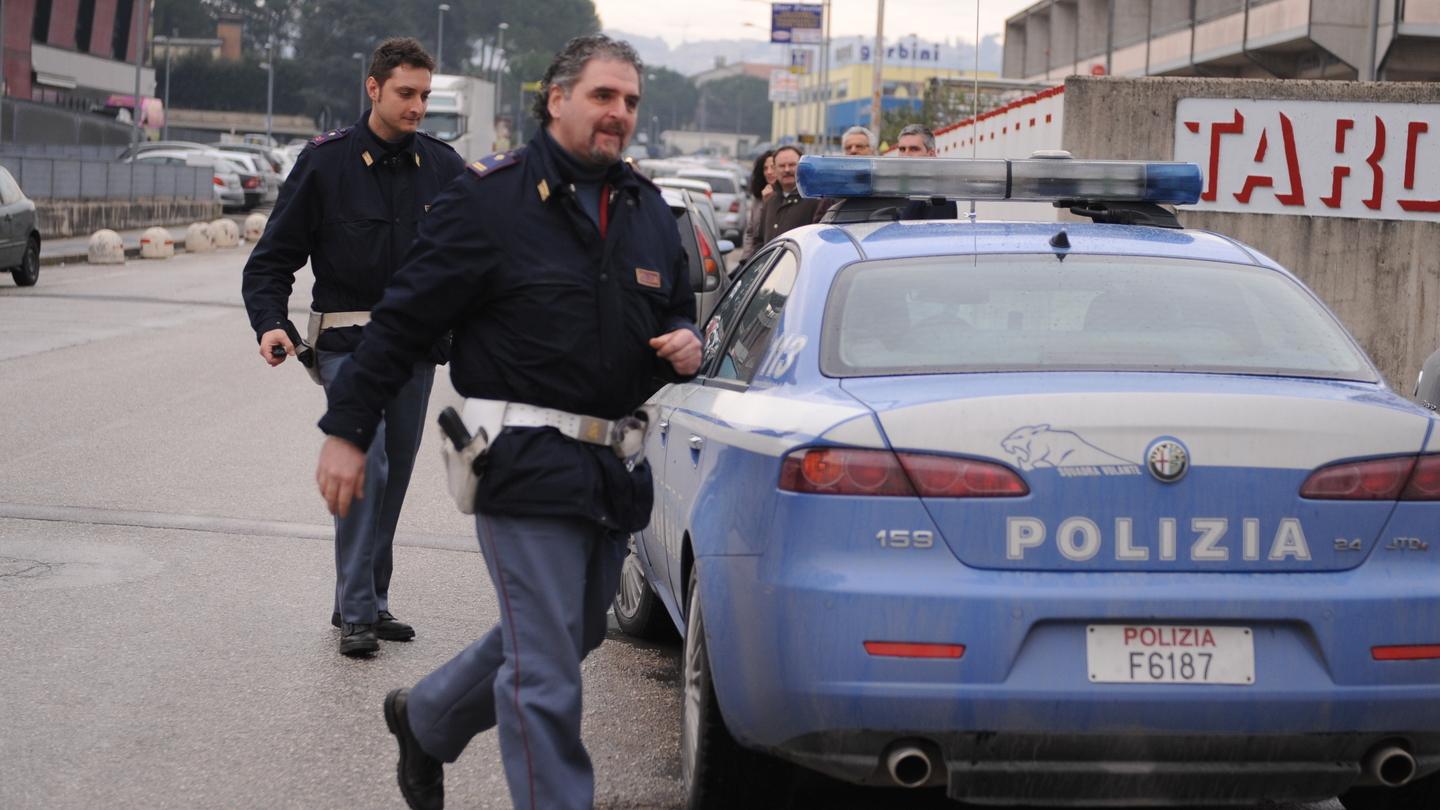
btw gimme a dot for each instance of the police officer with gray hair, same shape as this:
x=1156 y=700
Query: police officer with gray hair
x=350 y=208
x=560 y=270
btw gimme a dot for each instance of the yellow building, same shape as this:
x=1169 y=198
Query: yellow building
x=851 y=86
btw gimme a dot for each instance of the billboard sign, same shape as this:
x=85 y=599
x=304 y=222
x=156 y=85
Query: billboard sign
x=796 y=23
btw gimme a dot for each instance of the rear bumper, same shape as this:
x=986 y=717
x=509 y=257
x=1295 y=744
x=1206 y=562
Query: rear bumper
x=786 y=638
x=1117 y=771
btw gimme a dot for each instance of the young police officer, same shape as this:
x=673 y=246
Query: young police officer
x=561 y=272
x=351 y=207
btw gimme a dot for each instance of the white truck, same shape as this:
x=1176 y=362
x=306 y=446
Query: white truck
x=462 y=113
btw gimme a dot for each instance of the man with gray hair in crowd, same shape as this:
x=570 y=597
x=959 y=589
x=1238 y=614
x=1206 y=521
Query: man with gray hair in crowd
x=561 y=273
x=858 y=142
x=915 y=140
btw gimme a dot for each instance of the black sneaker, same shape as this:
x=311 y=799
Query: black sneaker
x=358 y=639
x=421 y=776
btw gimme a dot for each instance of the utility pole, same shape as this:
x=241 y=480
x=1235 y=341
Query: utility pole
x=269 y=81
x=165 y=128
x=440 y=40
x=139 y=63
x=877 y=92
x=361 y=58
x=825 y=79
x=4 y=88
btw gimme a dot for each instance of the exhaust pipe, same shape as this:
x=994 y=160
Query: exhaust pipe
x=1390 y=765
x=909 y=765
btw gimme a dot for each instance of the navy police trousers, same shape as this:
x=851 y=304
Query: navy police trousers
x=554 y=579
x=364 y=538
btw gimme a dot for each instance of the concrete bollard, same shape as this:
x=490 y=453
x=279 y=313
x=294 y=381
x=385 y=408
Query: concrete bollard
x=254 y=227
x=224 y=233
x=156 y=243
x=106 y=247
x=197 y=238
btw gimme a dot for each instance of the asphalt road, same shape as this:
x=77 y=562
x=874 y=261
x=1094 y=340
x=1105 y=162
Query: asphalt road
x=165 y=576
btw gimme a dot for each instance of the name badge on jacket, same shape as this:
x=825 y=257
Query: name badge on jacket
x=647 y=278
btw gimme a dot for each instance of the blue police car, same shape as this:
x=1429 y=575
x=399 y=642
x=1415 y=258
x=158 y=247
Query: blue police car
x=1107 y=512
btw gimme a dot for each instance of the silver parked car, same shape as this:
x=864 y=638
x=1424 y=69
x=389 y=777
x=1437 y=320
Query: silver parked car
x=703 y=248
x=19 y=236
x=229 y=178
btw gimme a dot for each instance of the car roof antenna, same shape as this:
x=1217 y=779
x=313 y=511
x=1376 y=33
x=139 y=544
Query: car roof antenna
x=1061 y=243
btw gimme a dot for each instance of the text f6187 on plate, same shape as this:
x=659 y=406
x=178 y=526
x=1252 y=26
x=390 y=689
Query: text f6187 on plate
x=1185 y=654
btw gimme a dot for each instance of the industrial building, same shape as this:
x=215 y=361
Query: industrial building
x=1395 y=40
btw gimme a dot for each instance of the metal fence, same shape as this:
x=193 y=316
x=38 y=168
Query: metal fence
x=71 y=178
x=61 y=150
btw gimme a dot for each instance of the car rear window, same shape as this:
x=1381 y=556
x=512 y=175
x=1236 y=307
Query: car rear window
x=1109 y=313
x=719 y=185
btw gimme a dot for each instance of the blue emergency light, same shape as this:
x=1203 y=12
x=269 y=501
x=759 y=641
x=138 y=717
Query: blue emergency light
x=1044 y=179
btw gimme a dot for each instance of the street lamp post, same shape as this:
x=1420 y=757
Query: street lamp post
x=878 y=91
x=500 y=45
x=361 y=58
x=165 y=128
x=440 y=40
x=499 y=49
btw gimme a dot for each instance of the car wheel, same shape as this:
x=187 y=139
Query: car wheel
x=638 y=610
x=29 y=270
x=1420 y=793
x=716 y=771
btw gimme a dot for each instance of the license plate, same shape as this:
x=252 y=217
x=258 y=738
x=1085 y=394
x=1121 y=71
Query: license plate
x=1185 y=654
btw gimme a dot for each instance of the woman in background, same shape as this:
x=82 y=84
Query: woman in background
x=761 y=186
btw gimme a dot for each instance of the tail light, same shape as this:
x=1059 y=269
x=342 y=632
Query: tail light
x=853 y=471
x=250 y=182
x=911 y=649
x=707 y=261
x=735 y=206
x=1406 y=652
x=219 y=181
x=1405 y=478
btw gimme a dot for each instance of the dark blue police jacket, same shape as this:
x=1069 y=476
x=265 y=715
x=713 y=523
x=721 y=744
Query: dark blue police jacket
x=350 y=215
x=545 y=311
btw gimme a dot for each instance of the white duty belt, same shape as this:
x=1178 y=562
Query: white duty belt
x=625 y=436
x=323 y=321
x=465 y=446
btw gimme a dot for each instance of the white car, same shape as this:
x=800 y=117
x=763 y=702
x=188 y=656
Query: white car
x=228 y=184
x=258 y=165
x=728 y=196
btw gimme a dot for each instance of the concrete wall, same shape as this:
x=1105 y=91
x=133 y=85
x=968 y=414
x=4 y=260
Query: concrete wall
x=61 y=218
x=1381 y=277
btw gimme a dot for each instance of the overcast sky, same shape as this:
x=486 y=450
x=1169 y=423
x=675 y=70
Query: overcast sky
x=678 y=21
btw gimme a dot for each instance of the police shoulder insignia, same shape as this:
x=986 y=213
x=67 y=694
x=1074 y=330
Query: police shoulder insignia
x=495 y=162
x=332 y=135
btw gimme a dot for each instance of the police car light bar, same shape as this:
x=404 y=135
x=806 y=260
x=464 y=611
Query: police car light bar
x=1044 y=179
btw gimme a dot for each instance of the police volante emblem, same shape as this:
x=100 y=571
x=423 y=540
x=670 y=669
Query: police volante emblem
x=1167 y=460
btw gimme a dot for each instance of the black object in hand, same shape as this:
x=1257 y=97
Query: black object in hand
x=277 y=351
x=303 y=351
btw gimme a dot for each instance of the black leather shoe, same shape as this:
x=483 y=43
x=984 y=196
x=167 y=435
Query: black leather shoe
x=391 y=629
x=388 y=627
x=358 y=639
x=421 y=776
